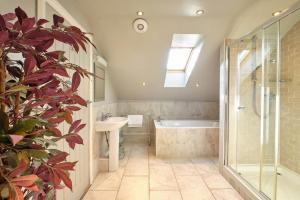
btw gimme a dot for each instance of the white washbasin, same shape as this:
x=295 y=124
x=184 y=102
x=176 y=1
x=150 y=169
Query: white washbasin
x=110 y=124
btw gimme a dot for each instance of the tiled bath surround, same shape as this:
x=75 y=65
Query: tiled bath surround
x=187 y=142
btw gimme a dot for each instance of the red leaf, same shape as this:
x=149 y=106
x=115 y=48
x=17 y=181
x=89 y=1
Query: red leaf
x=45 y=45
x=58 y=70
x=4 y=36
x=79 y=100
x=33 y=188
x=29 y=64
x=67 y=181
x=74 y=139
x=9 y=16
x=65 y=38
x=16 y=138
x=2 y=23
x=20 y=14
x=55 y=54
x=41 y=22
x=75 y=81
x=27 y=24
x=75 y=29
x=56 y=131
x=74 y=125
x=17 y=194
x=58 y=158
x=50 y=113
x=66 y=165
x=47 y=62
x=57 y=19
x=55 y=179
x=73 y=108
x=25 y=181
x=79 y=128
x=56 y=120
x=37 y=76
x=39 y=35
x=22 y=166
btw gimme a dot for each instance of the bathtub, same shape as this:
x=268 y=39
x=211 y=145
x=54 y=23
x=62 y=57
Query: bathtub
x=186 y=138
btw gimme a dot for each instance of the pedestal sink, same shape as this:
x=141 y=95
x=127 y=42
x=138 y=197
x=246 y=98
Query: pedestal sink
x=113 y=125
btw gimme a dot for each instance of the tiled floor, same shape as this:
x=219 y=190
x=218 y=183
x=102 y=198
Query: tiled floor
x=142 y=176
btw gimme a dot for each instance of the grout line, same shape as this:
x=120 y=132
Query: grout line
x=123 y=174
x=148 y=174
x=179 y=189
x=205 y=181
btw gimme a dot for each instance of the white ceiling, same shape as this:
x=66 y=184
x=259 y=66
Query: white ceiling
x=134 y=58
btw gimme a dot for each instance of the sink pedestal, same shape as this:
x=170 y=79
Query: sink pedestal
x=113 y=150
x=113 y=125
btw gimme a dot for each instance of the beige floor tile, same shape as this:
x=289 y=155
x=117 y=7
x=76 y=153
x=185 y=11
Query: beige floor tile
x=137 y=167
x=216 y=181
x=100 y=195
x=183 y=168
x=226 y=194
x=162 y=178
x=205 y=167
x=193 y=188
x=153 y=160
x=165 y=195
x=108 y=181
x=134 y=188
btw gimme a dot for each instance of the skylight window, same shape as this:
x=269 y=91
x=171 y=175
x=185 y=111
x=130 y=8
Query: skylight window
x=178 y=58
x=183 y=56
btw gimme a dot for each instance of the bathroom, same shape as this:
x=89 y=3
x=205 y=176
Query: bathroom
x=189 y=99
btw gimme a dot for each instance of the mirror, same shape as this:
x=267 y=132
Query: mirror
x=99 y=82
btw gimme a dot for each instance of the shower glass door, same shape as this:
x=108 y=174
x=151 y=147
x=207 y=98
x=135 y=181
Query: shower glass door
x=248 y=109
x=263 y=141
x=270 y=102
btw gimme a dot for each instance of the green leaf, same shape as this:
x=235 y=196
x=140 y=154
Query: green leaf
x=17 y=88
x=25 y=125
x=4 y=122
x=43 y=141
x=50 y=195
x=39 y=154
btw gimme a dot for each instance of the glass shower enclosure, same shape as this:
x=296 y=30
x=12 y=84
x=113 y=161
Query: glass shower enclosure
x=263 y=137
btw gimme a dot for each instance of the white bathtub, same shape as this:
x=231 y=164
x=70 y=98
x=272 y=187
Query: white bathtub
x=186 y=138
x=186 y=124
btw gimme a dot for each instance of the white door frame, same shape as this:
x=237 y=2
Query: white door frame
x=41 y=13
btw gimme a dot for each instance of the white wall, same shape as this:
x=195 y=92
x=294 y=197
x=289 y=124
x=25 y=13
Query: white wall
x=257 y=14
x=10 y=5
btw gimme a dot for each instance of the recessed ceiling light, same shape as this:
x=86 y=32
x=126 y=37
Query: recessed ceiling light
x=276 y=13
x=200 y=12
x=140 y=13
x=144 y=84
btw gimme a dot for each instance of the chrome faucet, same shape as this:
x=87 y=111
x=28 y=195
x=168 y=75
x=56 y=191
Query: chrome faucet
x=158 y=119
x=105 y=116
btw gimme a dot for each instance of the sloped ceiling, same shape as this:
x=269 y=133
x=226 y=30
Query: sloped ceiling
x=136 y=58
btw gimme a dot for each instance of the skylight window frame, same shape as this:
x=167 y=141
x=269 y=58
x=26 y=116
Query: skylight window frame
x=187 y=61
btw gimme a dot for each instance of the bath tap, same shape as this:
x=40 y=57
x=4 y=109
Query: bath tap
x=105 y=116
x=158 y=118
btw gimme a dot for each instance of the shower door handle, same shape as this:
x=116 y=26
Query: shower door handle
x=241 y=107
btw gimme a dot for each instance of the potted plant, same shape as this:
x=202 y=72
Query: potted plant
x=38 y=92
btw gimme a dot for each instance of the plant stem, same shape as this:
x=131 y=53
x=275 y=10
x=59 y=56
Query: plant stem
x=2 y=81
x=17 y=101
